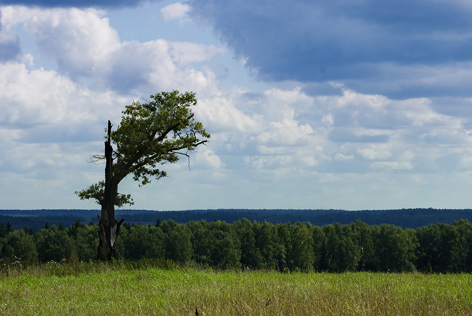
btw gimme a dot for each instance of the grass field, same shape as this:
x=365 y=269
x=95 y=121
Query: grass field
x=118 y=290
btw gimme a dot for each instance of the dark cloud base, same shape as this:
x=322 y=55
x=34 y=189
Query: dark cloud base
x=343 y=41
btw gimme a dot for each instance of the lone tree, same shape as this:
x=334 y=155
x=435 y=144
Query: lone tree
x=150 y=134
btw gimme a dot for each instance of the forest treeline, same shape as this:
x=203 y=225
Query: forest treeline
x=257 y=245
x=406 y=218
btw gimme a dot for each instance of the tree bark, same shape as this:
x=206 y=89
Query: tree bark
x=108 y=226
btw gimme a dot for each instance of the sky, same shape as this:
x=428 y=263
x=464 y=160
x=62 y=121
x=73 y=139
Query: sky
x=319 y=104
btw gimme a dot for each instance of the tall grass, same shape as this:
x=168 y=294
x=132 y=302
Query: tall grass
x=142 y=289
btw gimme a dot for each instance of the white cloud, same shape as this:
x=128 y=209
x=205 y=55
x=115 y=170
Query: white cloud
x=375 y=152
x=175 y=11
x=342 y=157
x=392 y=165
x=220 y=114
x=184 y=53
x=286 y=133
x=39 y=97
x=288 y=129
x=205 y=157
x=282 y=104
x=328 y=119
x=87 y=49
x=352 y=99
x=80 y=40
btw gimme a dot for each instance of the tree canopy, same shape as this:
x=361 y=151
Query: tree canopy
x=150 y=134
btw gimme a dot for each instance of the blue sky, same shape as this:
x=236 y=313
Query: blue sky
x=352 y=104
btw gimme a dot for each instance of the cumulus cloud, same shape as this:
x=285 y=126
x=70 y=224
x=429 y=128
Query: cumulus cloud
x=40 y=106
x=35 y=97
x=222 y=114
x=206 y=158
x=376 y=152
x=385 y=47
x=80 y=40
x=342 y=157
x=87 y=48
x=353 y=132
x=175 y=11
x=287 y=132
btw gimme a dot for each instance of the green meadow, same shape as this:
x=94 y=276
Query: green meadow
x=99 y=289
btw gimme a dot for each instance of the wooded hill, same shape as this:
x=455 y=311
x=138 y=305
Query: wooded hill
x=405 y=218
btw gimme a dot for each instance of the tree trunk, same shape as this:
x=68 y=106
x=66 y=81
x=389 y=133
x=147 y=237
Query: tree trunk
x=108 y=226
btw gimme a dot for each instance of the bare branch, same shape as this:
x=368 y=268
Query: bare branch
x=97 y=159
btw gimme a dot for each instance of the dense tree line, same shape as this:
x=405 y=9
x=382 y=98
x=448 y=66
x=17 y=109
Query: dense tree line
x=257 y=245
x=406 y=218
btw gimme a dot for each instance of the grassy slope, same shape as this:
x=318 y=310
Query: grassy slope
x=151 y=291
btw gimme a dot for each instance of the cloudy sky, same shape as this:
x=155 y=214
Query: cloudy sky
x=350 y=104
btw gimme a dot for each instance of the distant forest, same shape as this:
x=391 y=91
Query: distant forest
x=404 y=218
